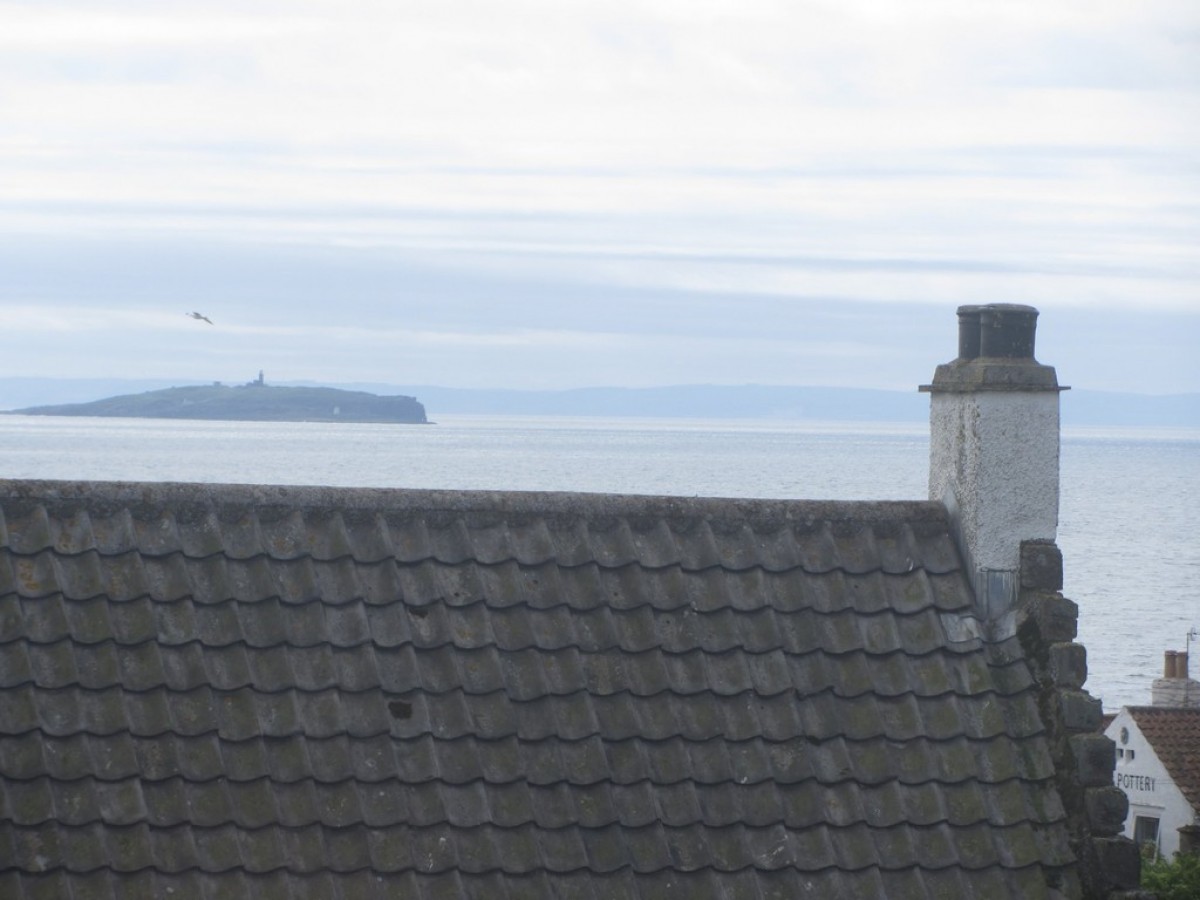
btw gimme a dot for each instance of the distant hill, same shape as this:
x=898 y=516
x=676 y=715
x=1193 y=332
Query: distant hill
x=704 y=401
x=690 y=401
x=1079 y=407
x=255 y=402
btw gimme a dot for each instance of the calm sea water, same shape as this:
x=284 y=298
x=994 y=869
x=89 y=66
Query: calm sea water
x=1130 y=516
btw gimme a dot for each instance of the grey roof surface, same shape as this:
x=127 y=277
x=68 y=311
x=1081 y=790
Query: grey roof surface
x=242 y=691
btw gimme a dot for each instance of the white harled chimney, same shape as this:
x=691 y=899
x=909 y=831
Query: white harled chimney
x=993 y=457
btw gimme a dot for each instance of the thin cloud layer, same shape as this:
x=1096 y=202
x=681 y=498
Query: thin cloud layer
x=565 y=179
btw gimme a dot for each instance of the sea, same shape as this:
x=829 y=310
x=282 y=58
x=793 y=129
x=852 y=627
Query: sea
x=1129 y=522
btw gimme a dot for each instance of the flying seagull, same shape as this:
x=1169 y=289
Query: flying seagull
x=200 y=318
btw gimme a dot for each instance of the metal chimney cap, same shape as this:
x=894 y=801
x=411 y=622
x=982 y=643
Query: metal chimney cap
x=968 y=332
x=995 y=352
x=1007 y=331
x=1005 y=307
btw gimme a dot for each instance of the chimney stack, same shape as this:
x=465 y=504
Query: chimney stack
x=994 y=447
x=1176 y=688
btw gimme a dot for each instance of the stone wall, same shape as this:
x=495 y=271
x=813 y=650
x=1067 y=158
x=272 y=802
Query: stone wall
x=1084 y=759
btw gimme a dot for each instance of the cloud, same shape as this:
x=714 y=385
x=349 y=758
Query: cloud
x=617 y=84
x=32 y=26
x=493 y=178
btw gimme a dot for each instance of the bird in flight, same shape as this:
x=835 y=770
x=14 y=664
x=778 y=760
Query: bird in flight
x=200 y=318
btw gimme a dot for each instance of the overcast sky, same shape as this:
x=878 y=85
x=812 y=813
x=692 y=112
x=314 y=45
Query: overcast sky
x=562 y=193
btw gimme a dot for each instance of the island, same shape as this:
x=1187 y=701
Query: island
x=252 y=402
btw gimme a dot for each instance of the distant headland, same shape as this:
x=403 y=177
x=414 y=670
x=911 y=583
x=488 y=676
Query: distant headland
x=253 y=402
x=1081 y=407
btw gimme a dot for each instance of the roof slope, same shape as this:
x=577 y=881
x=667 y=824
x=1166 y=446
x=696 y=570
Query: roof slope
x=315 y=692
x=1174 y=733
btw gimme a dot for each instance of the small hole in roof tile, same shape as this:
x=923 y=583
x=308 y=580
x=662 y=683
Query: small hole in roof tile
x=418 y=613
x=401 y=709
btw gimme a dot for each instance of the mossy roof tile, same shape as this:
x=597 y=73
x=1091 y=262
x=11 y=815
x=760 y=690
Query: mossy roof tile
x=314 y=692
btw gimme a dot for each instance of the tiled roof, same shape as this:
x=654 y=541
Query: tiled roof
x=1174 y=733
x=263 y=691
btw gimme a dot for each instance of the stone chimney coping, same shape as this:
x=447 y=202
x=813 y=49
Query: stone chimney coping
x=993 y=374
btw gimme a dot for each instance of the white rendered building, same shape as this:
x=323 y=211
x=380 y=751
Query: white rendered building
x=1158 y=761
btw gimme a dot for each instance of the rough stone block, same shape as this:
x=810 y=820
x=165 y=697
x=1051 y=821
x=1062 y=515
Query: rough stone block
x=1041 y=566
x=1119 y=862
x=1068 y=665
x=1095 y=758
x=1107 y=808
x=1057 y=618
x=1080 y=711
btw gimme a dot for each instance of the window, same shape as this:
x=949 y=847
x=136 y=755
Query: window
x=1145 y=834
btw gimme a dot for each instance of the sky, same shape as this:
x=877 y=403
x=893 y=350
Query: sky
x=567 y=193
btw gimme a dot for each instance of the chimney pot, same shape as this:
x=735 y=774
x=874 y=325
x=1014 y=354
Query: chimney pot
x=968 y=332
x=1007 y=331
x=1175 y=688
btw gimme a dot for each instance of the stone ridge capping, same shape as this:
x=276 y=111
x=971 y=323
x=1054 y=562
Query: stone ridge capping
x=198 y=500
x=1084 y=759
x=490 y=528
